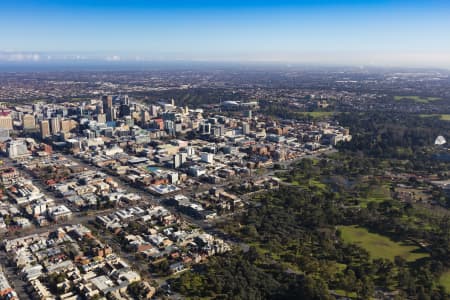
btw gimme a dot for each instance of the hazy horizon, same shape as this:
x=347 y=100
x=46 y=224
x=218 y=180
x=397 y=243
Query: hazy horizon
x=348 y=32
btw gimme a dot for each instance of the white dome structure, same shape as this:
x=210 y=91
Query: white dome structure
x=440 y=140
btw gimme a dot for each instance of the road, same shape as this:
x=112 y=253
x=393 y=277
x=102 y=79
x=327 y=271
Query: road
x=147 y=198
x=11 y=273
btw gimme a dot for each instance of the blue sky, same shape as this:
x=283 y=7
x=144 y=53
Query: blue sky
x=382 y=32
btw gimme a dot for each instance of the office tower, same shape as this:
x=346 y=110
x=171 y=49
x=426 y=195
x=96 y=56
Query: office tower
x=55 y=125
x=29 y=122
x=154 y=110
x=6 y=121
x=62 y=112
x=169 y=126
x=36 y=107
x=48 y=112
x=101 y=118
x=124 y=110
x=190 y=150
x=176 y=161
x=173 y=177
x=183 y=157
x=205 y=128
x=107 y=103
x=99 y=109
x=158 y=123
x=45 y=129
x=126 y=100
x=218 y=130
x=66 y=125
x=108 y=132
x=207 y=157
x=178 y=127
x=114 y=113
x=89 y=134
x=179 y=159
x=144 y=118
x=17 y=148
x=108 y=108
x=4 y=135
x=245 y=128
x=129 y=121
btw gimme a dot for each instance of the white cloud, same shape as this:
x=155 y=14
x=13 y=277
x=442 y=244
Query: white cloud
x=113 y=58
x=19 y=56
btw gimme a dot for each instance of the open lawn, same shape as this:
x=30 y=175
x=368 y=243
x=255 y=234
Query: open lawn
x=374 y=193
x=380 y=246
x=379 y=193
x=443 y=117
x=317 y=114
x=445 y=281
x=418 y=99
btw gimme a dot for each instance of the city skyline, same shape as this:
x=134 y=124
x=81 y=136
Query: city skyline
x=379 y=33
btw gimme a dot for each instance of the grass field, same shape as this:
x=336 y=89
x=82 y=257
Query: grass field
x=418 y=99
x=379 y=193
x=443 y=117
x=343 y=293
x=445 y=281
x=374 y=193
x=317 y=114
x=380 y=246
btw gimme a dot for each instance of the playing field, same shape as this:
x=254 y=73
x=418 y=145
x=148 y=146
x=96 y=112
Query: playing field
x=380 y=246
x=445 y=281
x=443 y=117
x=317 y=114
x=418 y=99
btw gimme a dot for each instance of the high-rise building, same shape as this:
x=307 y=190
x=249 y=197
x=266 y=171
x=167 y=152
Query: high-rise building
x=218 y=130
x=55 y=125
x=129 y=121
x=179 y=159
x=99 y=109
x=124 y=110
x=169 y=126
x=190 y=151
x=108 y=107
x=245 y=128
x=176 y=161
x=28 y=122
x=89 y=134
x=144 y=118
x=36 y=107
x=183 y=157
x=126 y=100
x=6 y=121
x=101 y=118
x=154 y=110
x=4 y=135
x=45 y=129
x=17 y=148
x=205 y=128
x=114 y=113
x=207 y=157
x=107 y=102
x=65 y=125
